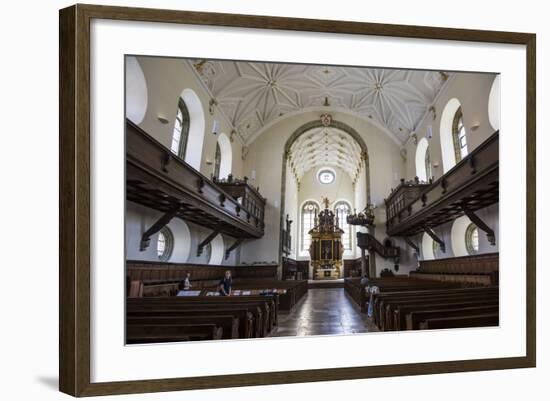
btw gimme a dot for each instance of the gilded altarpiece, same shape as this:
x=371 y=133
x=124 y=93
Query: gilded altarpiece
x=326 y=249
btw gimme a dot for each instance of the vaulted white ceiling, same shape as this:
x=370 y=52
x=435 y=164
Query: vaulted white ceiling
x=325 y=146
x=253 y=94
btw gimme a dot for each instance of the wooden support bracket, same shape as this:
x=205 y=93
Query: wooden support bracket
x=206 y=241
x=412 y=244
x=479 y=223
x=157 y=226
x=228 y=251
x=165 y=160
x=434 y=236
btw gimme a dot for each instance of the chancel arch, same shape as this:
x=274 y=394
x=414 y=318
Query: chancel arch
x=319 y=146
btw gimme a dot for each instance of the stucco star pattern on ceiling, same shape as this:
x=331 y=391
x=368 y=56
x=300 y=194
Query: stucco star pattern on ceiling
x=253 y=94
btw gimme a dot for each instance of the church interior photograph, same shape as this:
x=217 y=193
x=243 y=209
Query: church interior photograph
x=271 y=200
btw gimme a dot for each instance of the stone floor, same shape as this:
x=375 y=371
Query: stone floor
x=324 y=312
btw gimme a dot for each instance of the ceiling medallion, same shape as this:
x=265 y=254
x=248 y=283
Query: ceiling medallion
x=326 y=120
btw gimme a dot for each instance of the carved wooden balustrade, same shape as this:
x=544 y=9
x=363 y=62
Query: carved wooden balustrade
x=160 y=180
x=469 y=186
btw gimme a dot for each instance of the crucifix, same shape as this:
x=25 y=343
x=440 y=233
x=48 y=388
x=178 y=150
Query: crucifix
x=325 y=200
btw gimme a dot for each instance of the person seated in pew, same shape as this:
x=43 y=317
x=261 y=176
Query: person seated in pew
x=225 y=284
x=364 y=280
x=187 y=283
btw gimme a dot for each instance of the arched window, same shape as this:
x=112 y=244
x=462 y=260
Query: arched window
x=309 y=210
x=217 y=161
x=326 y=176
x=165 y=244
x=428 y=164
x=342 y=209
x=224 y=156
x=422 y=160
x=181 y=130
x=459 y=136
x=472 y=239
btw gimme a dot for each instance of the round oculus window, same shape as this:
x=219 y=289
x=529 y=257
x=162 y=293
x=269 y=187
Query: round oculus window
x=326 y=176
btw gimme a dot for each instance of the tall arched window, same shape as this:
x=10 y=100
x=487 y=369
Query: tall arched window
x=459 y=136
x=342 y=209
x=217 y=161
x=224 y=156
x=428 y=164
x=181 y=130
x=309 y=210
x=422 y=160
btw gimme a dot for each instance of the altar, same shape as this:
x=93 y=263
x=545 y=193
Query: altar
x=326 y=249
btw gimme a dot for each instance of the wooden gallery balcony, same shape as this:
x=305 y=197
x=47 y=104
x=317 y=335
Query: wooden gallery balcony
x=160 y=180
x=471 y=185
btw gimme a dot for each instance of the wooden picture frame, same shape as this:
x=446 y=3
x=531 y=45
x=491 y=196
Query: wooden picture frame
x=74 y=204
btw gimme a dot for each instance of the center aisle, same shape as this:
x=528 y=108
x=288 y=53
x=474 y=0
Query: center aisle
x=322 y=312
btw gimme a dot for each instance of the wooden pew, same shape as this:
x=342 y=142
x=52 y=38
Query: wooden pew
x=380 y=299
x=262 y=307
x=488 y=319
x=244 y=316
x=417 y=316
x=389 y=311
x=228 y=323
x=149 y=333
x=289 y=292
x=402 y=312
x=267 y=303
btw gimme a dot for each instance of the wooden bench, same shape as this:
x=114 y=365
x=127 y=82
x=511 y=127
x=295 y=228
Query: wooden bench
x=267 y=303
x=489 y=319
x=401 y=312
x=416 y=317
x=228 y=323
x=262 y=308
x=390 y=310
x=389 y=306
x=149 y=333
x=378 y=299
x=245 y=317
